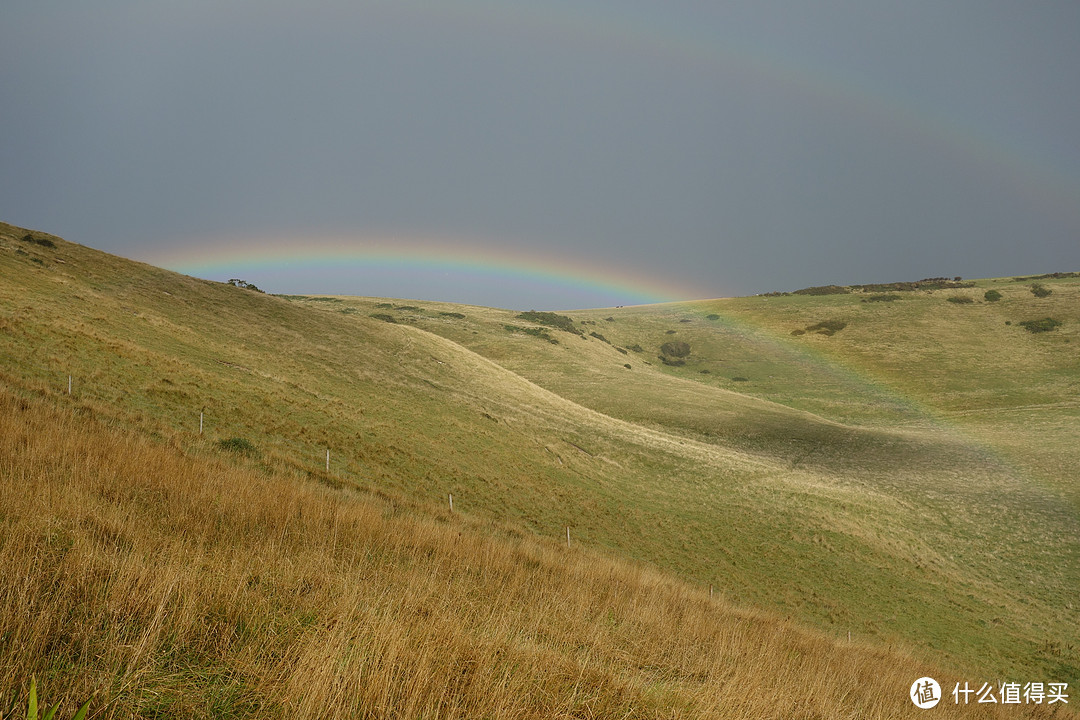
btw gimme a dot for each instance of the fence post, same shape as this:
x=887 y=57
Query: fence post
x=327 y=459
x=69 y=384
x=451 y=496
x=567 y=536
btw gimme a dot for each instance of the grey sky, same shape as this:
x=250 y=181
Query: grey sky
x=728 y=147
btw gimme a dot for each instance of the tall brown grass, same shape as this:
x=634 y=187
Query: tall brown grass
x=173 y=586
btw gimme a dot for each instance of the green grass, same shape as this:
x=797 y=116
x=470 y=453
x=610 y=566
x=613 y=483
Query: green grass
x=909 y=479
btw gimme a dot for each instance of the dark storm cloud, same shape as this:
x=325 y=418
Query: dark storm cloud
x=742 y=146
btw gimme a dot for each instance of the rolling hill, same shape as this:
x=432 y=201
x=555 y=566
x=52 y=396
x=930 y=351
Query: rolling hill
x=901 y=470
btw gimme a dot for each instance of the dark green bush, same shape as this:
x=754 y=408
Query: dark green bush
x=992 y=296
x=739 y=378
x=823 y=290
x=38 y=240
x=599 y=337
x=559 y=322
x=384 y=306
x=960 y=299
x=1040 y=291
x=673 y=362
x=1038 y=326
x=881 y=298
x=798 y=332
x=237 y=282
x=384 y=317
x=714 y=316
x=678 y=349
x=455 y=315
x=637 y=348
x=627 y=366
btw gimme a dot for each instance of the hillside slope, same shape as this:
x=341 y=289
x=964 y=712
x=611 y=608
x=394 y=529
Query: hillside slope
x=911 y=536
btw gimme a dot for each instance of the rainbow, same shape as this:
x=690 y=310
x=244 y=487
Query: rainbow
x=455 y=269
x=327 y=262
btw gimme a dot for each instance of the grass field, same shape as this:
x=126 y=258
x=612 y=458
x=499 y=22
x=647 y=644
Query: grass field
x=908 y=479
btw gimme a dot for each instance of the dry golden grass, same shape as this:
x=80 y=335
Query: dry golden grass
x=167 y=585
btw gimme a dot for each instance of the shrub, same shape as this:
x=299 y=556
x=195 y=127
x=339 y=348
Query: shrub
x=937 y=283
x=960 y=299
x=610 y=319
x=740 y=378
x=881 y=298
x=559 y=322
x=384 y=306
x=637 y=348
x=237 y=282
x=669 y=332
x=621 y=349
x=38 y=240
x=823 y=290
x=238 y=445
x=677 y=349
x=673 y=362
x=599 y=337
x=992 y=296
x=1048 y=275
x=798 y=332
x=384 y=317
x=1040 y=291
x=455 y=315
x=1038 y=326
x=407 y=307
x=627 y=366
x=714 y=316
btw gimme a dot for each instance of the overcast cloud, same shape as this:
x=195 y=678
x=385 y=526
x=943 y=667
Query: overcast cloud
x=726 y=147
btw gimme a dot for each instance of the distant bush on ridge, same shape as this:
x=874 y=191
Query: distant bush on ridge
x=559 y=322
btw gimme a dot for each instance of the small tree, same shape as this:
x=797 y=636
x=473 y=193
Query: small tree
x=992 y=295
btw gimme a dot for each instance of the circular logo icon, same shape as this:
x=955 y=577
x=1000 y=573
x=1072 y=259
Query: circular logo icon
x=925 y=692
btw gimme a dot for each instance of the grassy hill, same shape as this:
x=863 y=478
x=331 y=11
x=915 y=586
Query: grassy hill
x=905 y=479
